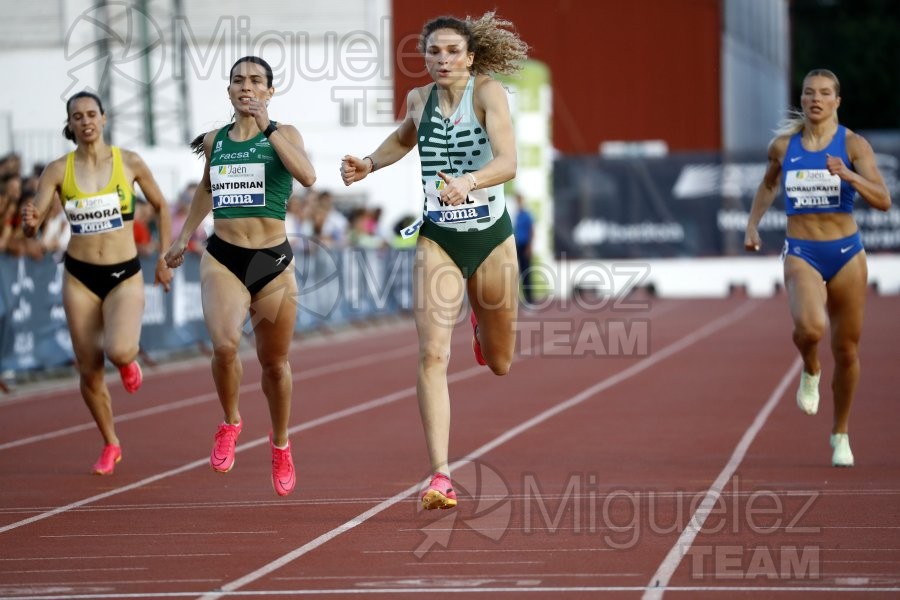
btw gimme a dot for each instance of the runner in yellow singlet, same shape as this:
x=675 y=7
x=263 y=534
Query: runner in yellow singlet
x=103 y=291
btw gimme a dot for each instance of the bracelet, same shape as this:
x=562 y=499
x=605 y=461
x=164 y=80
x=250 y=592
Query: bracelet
x=371 y=160
x=474 y=181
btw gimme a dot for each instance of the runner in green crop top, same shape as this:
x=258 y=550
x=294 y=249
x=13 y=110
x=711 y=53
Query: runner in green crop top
x=247 y=178
x=463 y=129
x=246 y=182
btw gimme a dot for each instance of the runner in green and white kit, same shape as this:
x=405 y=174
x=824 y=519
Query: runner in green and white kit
x=246 y=182
x=462 y=126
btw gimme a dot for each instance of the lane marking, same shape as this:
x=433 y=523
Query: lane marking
x=660 y=579
x=713 y=326
x=209 y=396
x=802 y=591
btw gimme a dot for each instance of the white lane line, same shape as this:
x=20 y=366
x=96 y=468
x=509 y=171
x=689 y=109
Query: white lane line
x=651 y=360
x=353 y=410
x=300 y=349
x=660 y=579
x=301 y=375
x=511 y=591
x=209 y=396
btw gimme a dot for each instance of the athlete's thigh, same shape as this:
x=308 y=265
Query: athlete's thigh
x=273 y=312
x=84 y=315
x=806 y=292
x=123 y=312
x=225 y=302
x=494 y=293
x=847 y=299
x=437 y=295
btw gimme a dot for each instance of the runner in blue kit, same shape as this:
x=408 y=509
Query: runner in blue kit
x=247 y=179
x=822 y=167
x=463 y=129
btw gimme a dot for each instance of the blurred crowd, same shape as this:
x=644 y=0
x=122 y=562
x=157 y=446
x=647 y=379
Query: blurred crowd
x=314 y=218
x=16 y=188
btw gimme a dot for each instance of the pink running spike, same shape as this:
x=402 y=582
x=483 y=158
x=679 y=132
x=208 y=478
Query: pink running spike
x=439 y=494
x=476 y=345
x=222 y=457
x=108 y=458
x=132 y=376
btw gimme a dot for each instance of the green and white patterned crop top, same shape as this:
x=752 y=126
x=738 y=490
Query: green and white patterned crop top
x=456 y=145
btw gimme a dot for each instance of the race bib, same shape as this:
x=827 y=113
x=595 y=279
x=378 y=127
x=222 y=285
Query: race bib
x=97 y=214
x=238 y=186
x=475 y=207
x=812 y=189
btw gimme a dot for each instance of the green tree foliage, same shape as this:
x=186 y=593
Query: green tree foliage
x=860 y=41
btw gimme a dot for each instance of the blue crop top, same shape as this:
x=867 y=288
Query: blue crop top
x=808 y=186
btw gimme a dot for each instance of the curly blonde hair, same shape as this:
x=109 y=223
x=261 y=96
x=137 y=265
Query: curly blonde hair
x=497 y=47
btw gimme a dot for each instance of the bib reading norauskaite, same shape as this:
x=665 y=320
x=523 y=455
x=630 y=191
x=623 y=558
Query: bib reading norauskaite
x=247 y=178
x=812 y=188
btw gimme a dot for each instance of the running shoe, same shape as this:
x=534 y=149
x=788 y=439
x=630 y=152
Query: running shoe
x=476 y=345
x=283 y=478
x=842 y=456
x=108 y=458
x=439 y=494
x=132 y=376
x=222 y=457
x=808 y=393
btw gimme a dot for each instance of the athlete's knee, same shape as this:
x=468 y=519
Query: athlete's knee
x=92 y=380
x=499 y=363
x=431 y=357
x=121 y=354
x=499 y=367
x=275 y=370
x=846 y=354
x=808 y=332
x=225 y=352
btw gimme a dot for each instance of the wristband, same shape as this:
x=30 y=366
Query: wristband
x=371 y=160
x=474 y=181
x=272 y=128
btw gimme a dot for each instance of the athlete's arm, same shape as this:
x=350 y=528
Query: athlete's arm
x=490 y=96
x=201 y=205
x=765 y=193
x=288 y=143
x=33 y=212
x=497 y=121
x=144 y=178
x=393 y=148
x=866 y=179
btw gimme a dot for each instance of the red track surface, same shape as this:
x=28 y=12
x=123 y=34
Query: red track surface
x=685 y=471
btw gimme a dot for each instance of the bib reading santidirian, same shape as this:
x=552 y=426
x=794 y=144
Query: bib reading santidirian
x=238 y=185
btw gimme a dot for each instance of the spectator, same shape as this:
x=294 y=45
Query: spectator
x=329 y=224
x=197 y=241
x=523 y=231
x=143 y=237
x=399 y=241
x=359 y=234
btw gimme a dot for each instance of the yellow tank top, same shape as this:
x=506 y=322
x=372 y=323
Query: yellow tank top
x=101 y=211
